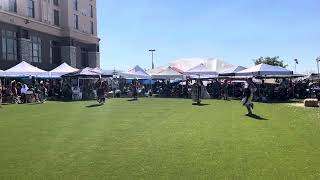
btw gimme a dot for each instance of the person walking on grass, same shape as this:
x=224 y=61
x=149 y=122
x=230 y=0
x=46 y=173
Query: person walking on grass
x=248 y=92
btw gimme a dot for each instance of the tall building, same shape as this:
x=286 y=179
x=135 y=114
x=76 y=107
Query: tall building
x=47 y=33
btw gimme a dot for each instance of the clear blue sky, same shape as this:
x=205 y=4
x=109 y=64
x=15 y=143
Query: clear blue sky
x=236 y=31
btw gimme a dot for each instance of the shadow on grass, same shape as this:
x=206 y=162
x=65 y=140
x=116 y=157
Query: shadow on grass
x=256 y=117
x=201 y=104
x=94 y=105
x=34 y=104
x=282 y=102
x=132 y=100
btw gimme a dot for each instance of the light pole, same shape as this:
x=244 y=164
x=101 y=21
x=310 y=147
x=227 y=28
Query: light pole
x=295 y=65
x=152 y=51
x=318 y=60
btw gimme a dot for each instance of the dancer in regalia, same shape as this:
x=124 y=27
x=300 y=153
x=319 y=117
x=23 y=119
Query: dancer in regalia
x=248 y=92
x=135 y=85
x=196 y=92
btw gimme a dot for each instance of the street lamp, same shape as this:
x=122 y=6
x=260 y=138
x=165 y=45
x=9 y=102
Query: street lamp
x=318 y=60
x=295 y=65
x=152 y=51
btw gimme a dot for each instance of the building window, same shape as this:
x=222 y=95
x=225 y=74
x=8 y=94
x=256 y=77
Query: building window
x=91 y=27
x=56 y=18
x=36 y=49
x=31 y=8
x=75 y=5
x=91 y=10
x=55 y=53
x=13 y=6
x=9 y=45
x=84 y=57
x=76 y=21
x=56 y=2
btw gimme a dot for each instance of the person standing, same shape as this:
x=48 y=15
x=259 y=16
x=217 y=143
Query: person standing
x=135 y=85
x=225 y=88
x=196 y=92
x=14 y=92
x=42 y=92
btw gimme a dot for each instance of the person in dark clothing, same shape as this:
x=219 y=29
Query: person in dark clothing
x=225 y=88
x=196 y=92
x=246 y=101
x=135 y=85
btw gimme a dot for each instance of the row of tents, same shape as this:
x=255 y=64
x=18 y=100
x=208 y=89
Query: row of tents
x=207 y=70
x=25 y=69
x=204 y=69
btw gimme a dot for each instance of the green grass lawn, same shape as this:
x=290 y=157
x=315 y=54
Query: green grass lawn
x=158 y=139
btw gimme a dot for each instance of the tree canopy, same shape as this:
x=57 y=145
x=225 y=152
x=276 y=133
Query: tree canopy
x=274 y=61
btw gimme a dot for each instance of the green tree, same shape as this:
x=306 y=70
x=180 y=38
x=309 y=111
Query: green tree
x=274 y=61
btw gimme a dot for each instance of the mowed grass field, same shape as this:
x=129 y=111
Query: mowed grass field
x=158 y=139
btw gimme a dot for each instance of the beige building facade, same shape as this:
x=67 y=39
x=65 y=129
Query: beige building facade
x=47 y=33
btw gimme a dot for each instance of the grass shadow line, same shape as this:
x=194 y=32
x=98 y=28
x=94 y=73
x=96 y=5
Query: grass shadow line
x=201 y=104
x=94 y=105
x=256 y=117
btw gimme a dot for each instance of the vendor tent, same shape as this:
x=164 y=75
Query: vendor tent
x=86 y=72
x=135 y=73
x=264 y=70
x=24 y=69
x=314 y=77
x=62 y=70
x=231 y=71
x=170 y=73
x=156 y=70
x=212 y=64
x=201 y=71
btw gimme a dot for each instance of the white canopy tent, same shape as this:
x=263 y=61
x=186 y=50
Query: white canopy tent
x=170 y=73
x=232 y=71
x=156 y=70
x=62 y=70
x=24 y=69
x=214 y=65
x=135 y=73
x=264 y=70
x=201 y=71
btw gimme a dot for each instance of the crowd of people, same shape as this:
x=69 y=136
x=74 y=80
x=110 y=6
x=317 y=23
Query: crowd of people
x=18 y=92
x=278 y=90
x=33 y=90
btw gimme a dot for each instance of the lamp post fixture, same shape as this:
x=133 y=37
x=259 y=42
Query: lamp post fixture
x=318 y=61
x=152 y=51
x=295 y=65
